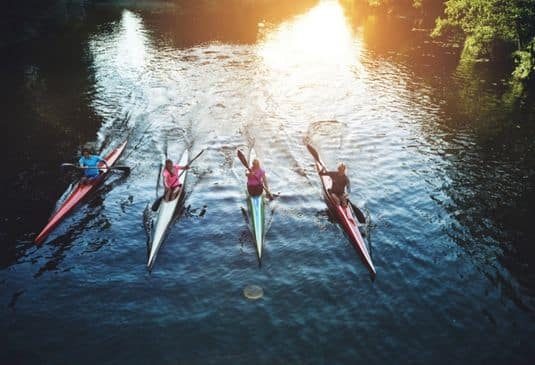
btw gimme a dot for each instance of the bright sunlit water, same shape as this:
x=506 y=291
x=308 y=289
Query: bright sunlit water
x=423 y=167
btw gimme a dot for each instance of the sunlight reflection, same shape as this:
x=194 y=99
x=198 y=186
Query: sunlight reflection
x=132 y=48
x=121 y=55
x=312 y=64
x=322 y=36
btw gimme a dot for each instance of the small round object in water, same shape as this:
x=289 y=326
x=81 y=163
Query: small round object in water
x=253 y=292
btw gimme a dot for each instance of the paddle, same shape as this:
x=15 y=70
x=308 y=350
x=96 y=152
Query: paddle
x=360 y=216
x=244 y=162
x=120 y=168
x=315 y=154
x=158 y=200
x=191 y=161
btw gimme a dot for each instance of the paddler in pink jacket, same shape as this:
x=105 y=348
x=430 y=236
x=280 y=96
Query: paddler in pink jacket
x=171 y=180
x=256 y=179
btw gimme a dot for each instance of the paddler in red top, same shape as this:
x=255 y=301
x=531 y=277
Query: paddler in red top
x=256 y=179
x=171 y=181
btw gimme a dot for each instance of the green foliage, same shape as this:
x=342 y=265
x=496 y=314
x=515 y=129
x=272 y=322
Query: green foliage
x=485 y=23
x=525 y=62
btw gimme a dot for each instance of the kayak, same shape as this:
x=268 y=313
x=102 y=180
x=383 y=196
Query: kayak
x=165 y=215
x=346 y=218
x=79 y=192
x=256 y=207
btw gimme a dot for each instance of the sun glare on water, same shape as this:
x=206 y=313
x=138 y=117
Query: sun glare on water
x=132 y=41
x=320 y=37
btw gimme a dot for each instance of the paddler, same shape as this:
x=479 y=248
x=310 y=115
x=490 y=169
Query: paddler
x=340 y=184
x=256 y=179
x=171 y=181
x=89 y=163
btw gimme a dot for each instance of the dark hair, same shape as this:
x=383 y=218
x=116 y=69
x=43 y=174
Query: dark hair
x=168 y=161
x=85 y=149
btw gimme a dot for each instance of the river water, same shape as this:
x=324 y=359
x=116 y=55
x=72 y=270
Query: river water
x=440 y=157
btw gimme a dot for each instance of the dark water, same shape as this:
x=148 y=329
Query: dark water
x=440 y=156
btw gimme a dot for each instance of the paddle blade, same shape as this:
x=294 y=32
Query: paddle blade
x=360 y=216
x=156 y=204
x=243 y=159
x=121 y=168
x=313 y=152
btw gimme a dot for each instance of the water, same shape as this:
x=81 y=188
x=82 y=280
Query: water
x=440 y=158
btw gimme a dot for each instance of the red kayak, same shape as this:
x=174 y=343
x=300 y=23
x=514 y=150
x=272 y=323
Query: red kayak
x=344 y=215
x=78 y=193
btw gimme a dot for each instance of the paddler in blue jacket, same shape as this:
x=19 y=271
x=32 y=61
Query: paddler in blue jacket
x=89 y=163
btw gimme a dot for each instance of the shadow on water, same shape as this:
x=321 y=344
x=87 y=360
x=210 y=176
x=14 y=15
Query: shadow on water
x=490 y=145
x=50 y=90
x=90 y=212
x=485 y=134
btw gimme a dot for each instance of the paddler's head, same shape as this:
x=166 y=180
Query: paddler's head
x=256 y=164
x=342 y=168
x=169 y=164
x=86 y=152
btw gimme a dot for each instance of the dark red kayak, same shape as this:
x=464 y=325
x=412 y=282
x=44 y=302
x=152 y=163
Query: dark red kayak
x=345 y=215
x=78 y=193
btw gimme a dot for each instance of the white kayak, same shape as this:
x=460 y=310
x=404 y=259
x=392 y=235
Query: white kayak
x=256 y=207
x=165 y=215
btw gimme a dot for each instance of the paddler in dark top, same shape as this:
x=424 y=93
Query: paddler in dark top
x=340 y=184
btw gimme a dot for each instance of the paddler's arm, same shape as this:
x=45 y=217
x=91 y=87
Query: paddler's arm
x=348 y=186
x=164 y=180
x=266 y=187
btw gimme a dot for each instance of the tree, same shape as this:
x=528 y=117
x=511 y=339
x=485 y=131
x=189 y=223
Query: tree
x=486 y=24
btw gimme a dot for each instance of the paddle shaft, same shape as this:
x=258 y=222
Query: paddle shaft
x=190 y=162
x=158 y=180
x=98 y=168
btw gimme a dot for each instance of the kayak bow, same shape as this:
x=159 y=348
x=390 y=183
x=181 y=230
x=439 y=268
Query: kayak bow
x=79 y=192
x=165 y=215
x=344 y=215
